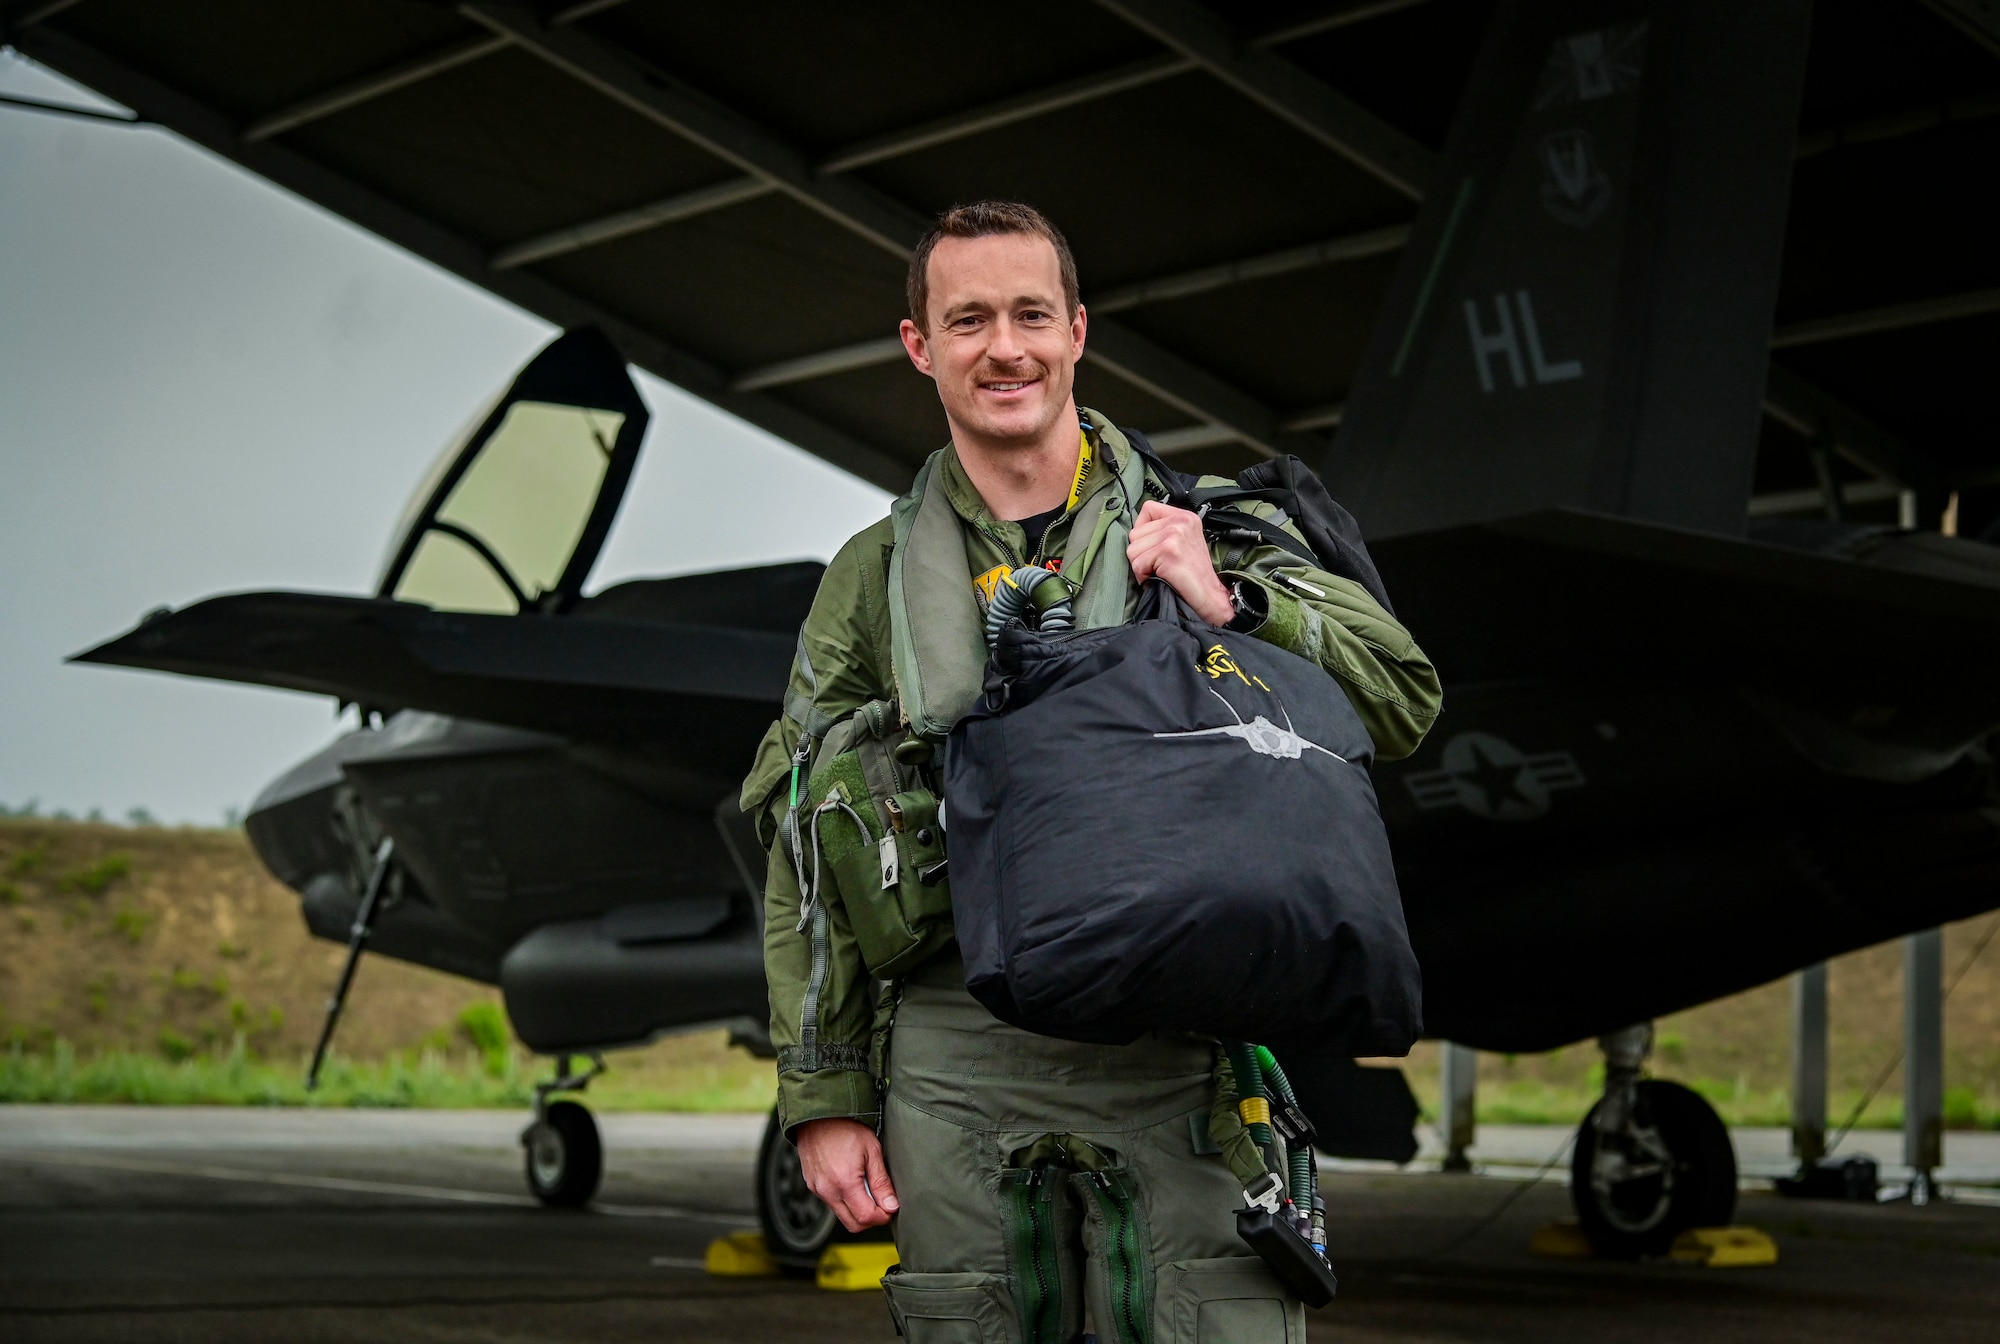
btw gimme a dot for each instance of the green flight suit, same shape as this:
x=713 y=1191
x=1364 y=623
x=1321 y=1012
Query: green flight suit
x=952 y=1166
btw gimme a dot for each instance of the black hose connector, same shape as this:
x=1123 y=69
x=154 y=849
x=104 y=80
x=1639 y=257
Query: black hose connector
x=1298 y=1154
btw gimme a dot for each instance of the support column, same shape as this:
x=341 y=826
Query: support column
x=1809 y=1059
x=1458 y=1076
x=1923 y=1059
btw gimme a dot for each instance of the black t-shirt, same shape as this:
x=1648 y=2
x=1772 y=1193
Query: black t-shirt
x=1037 y=527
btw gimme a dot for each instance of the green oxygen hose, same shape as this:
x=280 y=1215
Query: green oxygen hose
x=1252 y=1104
x=1299 y=1154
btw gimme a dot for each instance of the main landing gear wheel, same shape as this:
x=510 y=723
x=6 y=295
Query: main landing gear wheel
x=565 y=1157
x=797 y=1225
x=1640 y=1179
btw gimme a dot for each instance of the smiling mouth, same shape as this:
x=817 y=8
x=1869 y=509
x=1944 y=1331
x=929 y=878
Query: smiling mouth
x=1007 y=387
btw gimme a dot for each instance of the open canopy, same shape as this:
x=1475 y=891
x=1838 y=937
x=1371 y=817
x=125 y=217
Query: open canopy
x=514 y=512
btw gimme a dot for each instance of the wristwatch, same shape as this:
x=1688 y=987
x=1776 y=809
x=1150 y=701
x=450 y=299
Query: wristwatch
x=1251 y=607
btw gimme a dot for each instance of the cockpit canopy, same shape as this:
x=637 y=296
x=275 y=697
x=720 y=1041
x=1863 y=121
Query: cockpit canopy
x=514 y=512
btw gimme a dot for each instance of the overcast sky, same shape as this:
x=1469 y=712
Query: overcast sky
x=208 y=385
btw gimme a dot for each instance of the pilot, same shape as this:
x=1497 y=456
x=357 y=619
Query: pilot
x=1038 y=1186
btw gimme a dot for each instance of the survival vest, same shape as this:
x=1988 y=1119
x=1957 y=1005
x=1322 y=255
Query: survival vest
x=865 y=828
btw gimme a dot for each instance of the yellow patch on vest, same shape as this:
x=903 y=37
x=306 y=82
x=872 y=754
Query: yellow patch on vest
x=985 y=584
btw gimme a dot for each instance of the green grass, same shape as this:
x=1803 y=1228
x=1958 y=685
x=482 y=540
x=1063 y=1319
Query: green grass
x=180 y=1074
x=28 y=860
x=131 y=924
x=94 y=878
x=486 y=1024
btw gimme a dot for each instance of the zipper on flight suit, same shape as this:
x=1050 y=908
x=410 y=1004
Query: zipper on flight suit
x=1031 y=1196
x=1127 y=1260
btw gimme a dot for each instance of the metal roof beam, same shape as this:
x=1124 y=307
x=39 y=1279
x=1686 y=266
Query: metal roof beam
x=576 y=237
x=449 y=56
x=699 y=119
x=939 y=131
x=1284 y=90
x=1894 y=317
x=1875 y=130
x=1810 y=411
x=1005 y=112
x=1977 y=19
x=1340 y=16
x=1190 y=437
x=426 y=238
x=1348 y=247
x=862 y=354
x=1171 y=379
x=824 y=364
x=1812 y=500
x=1074 y=92
x=35 y=14
x=1318 y=417
x=927 y=135
x=890 y=225
x=368 y=87
x=1167 y=442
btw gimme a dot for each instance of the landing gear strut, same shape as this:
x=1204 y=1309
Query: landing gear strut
x=565 y=1157
x=1652 y=1158
x=357 y=942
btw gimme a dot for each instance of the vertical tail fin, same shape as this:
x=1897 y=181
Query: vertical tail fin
x=1583 y=315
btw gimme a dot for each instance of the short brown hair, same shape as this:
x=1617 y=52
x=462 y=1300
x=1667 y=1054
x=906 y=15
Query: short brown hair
x=983 y=219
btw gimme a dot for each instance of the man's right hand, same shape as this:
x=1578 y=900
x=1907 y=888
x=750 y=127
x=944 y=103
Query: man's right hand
x=843 y=1165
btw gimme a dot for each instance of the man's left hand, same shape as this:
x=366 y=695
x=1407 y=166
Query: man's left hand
x=1167 y=543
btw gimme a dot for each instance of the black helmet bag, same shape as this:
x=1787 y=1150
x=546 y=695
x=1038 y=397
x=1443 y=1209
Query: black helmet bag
x=1166 y=826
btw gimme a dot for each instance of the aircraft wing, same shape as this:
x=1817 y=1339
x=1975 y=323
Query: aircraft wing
x=1896 y=632
x=603 y=679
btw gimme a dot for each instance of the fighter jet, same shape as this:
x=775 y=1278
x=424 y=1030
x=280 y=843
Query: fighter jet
x=1686 y=749
x=541 y=794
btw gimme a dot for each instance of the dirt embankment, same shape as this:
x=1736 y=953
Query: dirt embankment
x=169 y=940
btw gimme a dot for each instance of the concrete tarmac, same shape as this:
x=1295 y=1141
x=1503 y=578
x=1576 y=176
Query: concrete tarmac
x=122 y=1224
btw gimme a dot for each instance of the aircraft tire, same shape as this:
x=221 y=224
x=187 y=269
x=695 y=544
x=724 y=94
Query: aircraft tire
x=797 y=1225
x=565 y=1157
x=1643 y=1215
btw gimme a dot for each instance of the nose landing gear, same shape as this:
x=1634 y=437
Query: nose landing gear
x=564 y=1155
x=1652 y=1158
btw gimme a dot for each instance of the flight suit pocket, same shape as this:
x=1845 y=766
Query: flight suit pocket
x=875 y=847
x=951 y=1308
x=1231 y=1300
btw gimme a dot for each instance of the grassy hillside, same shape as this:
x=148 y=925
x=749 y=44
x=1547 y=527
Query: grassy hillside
x=165 y=964
x=155 y=963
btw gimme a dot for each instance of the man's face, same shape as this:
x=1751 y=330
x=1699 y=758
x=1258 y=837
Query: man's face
x=1000 y=342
